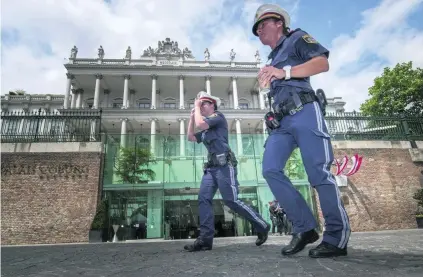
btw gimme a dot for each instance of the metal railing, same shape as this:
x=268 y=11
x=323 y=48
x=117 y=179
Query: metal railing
x=45 y=126
x=356 y=126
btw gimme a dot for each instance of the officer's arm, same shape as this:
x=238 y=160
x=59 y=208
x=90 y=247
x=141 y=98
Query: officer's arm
x=191 y=136
x=314 y=66
x=314 y=55
x=199 y=121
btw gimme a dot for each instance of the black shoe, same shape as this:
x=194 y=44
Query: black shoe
x=262 y=237
x=326 y=250
x=299 y=241
x=198 y=245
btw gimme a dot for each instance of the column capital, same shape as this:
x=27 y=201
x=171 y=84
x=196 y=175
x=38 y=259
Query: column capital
x=208 y=77
x=74 y=91
x=127 y=77
x=98 y=76
x=238 y=119
x=124 y=119
x=154 y=76
x=70 y=76
x=153 y=119
x=182 y=119
x=80 y=91
x=106 y=91
x=234 y=78
x=132 y=91
x=181 y=77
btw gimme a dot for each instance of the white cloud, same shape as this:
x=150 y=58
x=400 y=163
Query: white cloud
x=384 y=35
x=49 y=28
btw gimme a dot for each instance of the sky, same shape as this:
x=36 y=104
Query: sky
x=363 y=36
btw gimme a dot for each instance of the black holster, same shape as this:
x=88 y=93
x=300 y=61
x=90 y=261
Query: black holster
x=217 y=160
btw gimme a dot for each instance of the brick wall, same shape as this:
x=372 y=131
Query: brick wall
x=379 y=195
x=48 y=197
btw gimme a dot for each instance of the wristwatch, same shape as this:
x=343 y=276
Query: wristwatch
x=287 y=69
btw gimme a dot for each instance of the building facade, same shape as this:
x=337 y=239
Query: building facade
x=146 y=102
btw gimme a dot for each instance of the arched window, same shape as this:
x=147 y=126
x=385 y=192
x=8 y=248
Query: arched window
x=244 y=104
x=170 y=103
x=144 y=103
x=117 y=103
x=89 y=103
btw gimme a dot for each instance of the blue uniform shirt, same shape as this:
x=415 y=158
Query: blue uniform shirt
x=216 y=137
x=296 y=48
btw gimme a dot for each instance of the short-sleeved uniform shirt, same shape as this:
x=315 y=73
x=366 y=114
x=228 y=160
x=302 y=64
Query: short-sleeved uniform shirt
x=296 y=48
x=216 y=137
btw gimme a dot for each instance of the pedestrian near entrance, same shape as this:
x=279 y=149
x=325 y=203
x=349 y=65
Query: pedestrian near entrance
x=220 y=172
x=297 y=121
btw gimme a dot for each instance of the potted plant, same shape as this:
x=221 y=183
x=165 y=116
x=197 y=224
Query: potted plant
x=99 y=226
x=419 y=213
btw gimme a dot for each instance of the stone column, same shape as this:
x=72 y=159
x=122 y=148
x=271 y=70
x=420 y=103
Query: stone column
x=131 y=102
x=254 y=98
x=235 y=92
x=106 y=98
x=181 y=93
x=79 y=100
x=68 y=89
x=98 y=78
x=182 y=137
x=231 y=99
x=208 y=87
x=153 y=91
x=153 y=136
x=239 y=136
x=74 y=96
x=126 y=91
x=123 y=131
x=261 y=100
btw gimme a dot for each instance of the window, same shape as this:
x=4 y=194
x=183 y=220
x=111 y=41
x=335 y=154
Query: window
x=243 y=106
x=117 y=103
x=144 y=105
x=169 y=105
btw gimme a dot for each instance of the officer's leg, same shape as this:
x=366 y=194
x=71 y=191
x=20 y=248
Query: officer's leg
x=227 y=181
x=278 y=149
x=205 y=208
x=317 y=156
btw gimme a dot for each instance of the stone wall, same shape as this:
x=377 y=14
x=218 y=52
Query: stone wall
x=380 y=195
x=49 y=192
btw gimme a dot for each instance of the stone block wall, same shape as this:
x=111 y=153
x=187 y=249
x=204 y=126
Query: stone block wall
x=380 y=195
x=48 y=195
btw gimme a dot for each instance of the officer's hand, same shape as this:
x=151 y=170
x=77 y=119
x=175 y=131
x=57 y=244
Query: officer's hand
x=197 y=103
x=267 y=73
x=193 y=112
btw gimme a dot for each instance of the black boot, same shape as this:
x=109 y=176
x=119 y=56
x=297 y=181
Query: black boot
x=326 y=250
x=198 y=245
x=262 y=237
x=299 y=241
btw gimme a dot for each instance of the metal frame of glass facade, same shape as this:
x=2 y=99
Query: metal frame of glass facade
x=167 y=206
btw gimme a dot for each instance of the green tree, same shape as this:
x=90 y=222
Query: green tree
x=132 y=165
x=397 y=91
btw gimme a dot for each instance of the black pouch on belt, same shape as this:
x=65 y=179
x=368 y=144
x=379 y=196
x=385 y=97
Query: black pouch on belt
x=221 y=159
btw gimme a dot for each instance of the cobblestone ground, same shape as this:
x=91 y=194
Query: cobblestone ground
x=387 y=253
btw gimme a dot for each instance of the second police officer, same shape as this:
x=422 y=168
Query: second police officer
x=297 y=121
x=220 y=172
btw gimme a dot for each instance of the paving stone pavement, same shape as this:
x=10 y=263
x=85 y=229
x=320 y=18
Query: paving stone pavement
x=385 y=253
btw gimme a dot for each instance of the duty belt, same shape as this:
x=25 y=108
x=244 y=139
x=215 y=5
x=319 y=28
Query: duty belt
x=292 y=105
x=216 y=160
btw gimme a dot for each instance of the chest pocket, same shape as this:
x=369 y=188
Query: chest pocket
x=208 y=136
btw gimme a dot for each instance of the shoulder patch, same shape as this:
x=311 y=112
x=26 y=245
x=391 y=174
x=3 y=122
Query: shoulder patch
x=309 y=39
x=213 y=115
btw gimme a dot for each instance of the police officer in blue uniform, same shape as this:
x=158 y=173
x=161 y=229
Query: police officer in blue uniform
x=297 y=121
x=220 y=172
